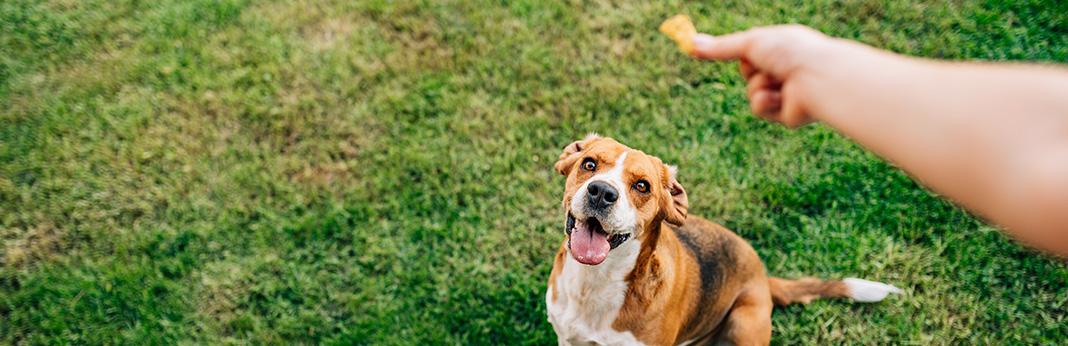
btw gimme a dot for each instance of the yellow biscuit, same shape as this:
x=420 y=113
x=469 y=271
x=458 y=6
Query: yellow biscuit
x=680 y=29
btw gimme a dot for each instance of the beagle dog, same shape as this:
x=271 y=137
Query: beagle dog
x=635 y=269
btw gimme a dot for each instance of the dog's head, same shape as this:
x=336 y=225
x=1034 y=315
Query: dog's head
x=615 y=194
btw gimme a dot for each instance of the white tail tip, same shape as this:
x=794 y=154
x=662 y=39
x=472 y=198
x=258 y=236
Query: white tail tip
x=869 y=291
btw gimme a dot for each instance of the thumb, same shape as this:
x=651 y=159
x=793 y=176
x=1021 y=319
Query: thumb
x=725 y=47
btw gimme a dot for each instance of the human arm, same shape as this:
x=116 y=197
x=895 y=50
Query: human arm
x=994 y=138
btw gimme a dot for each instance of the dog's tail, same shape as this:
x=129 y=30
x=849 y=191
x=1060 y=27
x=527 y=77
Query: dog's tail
x=786 y=292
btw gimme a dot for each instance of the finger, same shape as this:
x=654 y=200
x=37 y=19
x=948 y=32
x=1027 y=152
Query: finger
x=746 y=68
x=760 y=81
x=766 y=103
x=793 y=113
x=724 y=47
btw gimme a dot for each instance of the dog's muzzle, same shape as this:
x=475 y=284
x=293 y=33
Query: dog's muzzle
x=588 y=241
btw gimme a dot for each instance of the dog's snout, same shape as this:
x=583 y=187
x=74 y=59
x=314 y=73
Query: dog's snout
x=601 y=194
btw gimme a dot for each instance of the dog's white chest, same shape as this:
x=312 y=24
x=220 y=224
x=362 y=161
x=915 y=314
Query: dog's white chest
x=590 y=298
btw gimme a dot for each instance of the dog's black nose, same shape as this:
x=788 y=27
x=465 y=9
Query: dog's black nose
x=601 y=194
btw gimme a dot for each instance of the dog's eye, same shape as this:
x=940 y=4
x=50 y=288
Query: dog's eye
x=589 y=165
x=642 y=186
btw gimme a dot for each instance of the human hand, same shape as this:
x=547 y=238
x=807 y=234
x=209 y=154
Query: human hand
x=778 y=62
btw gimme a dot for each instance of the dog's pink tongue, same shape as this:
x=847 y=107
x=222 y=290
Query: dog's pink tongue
x=587 y=246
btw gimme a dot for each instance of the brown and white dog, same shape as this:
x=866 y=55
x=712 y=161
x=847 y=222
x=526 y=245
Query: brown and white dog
x=635 y=269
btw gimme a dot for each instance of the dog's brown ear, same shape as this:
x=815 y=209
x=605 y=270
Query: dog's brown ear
x=676 y=201
x=571 y=154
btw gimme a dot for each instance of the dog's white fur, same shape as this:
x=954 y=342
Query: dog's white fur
x=590 y=299
x=869 y=291
x=591 y=296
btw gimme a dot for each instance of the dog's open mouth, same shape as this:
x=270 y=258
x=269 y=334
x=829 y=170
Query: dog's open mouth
x=588 y=241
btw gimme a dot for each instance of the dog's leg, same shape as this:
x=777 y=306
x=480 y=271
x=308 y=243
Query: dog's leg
x=749 y=322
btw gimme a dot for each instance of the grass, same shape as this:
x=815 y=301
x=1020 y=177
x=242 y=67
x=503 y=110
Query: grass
x=377 y=172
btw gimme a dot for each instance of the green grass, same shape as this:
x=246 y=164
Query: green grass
x=374 y=172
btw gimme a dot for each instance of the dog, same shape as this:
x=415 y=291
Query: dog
x=636 y=269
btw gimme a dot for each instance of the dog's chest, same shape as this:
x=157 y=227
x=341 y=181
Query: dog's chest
x=589 y=299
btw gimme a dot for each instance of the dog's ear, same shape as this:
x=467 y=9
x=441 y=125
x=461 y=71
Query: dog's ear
x=571 y=154
x=675 y=201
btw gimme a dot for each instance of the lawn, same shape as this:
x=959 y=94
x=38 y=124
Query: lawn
x=206 y=172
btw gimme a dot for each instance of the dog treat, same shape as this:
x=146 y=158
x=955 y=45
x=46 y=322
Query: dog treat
x=680 y=29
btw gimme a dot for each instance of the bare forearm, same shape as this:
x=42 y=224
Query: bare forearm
x=993 y=138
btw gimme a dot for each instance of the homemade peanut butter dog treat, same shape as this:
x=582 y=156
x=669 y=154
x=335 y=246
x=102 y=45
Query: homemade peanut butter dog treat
x=680 y=29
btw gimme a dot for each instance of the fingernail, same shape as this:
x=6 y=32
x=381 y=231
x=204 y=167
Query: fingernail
x=703 y=40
